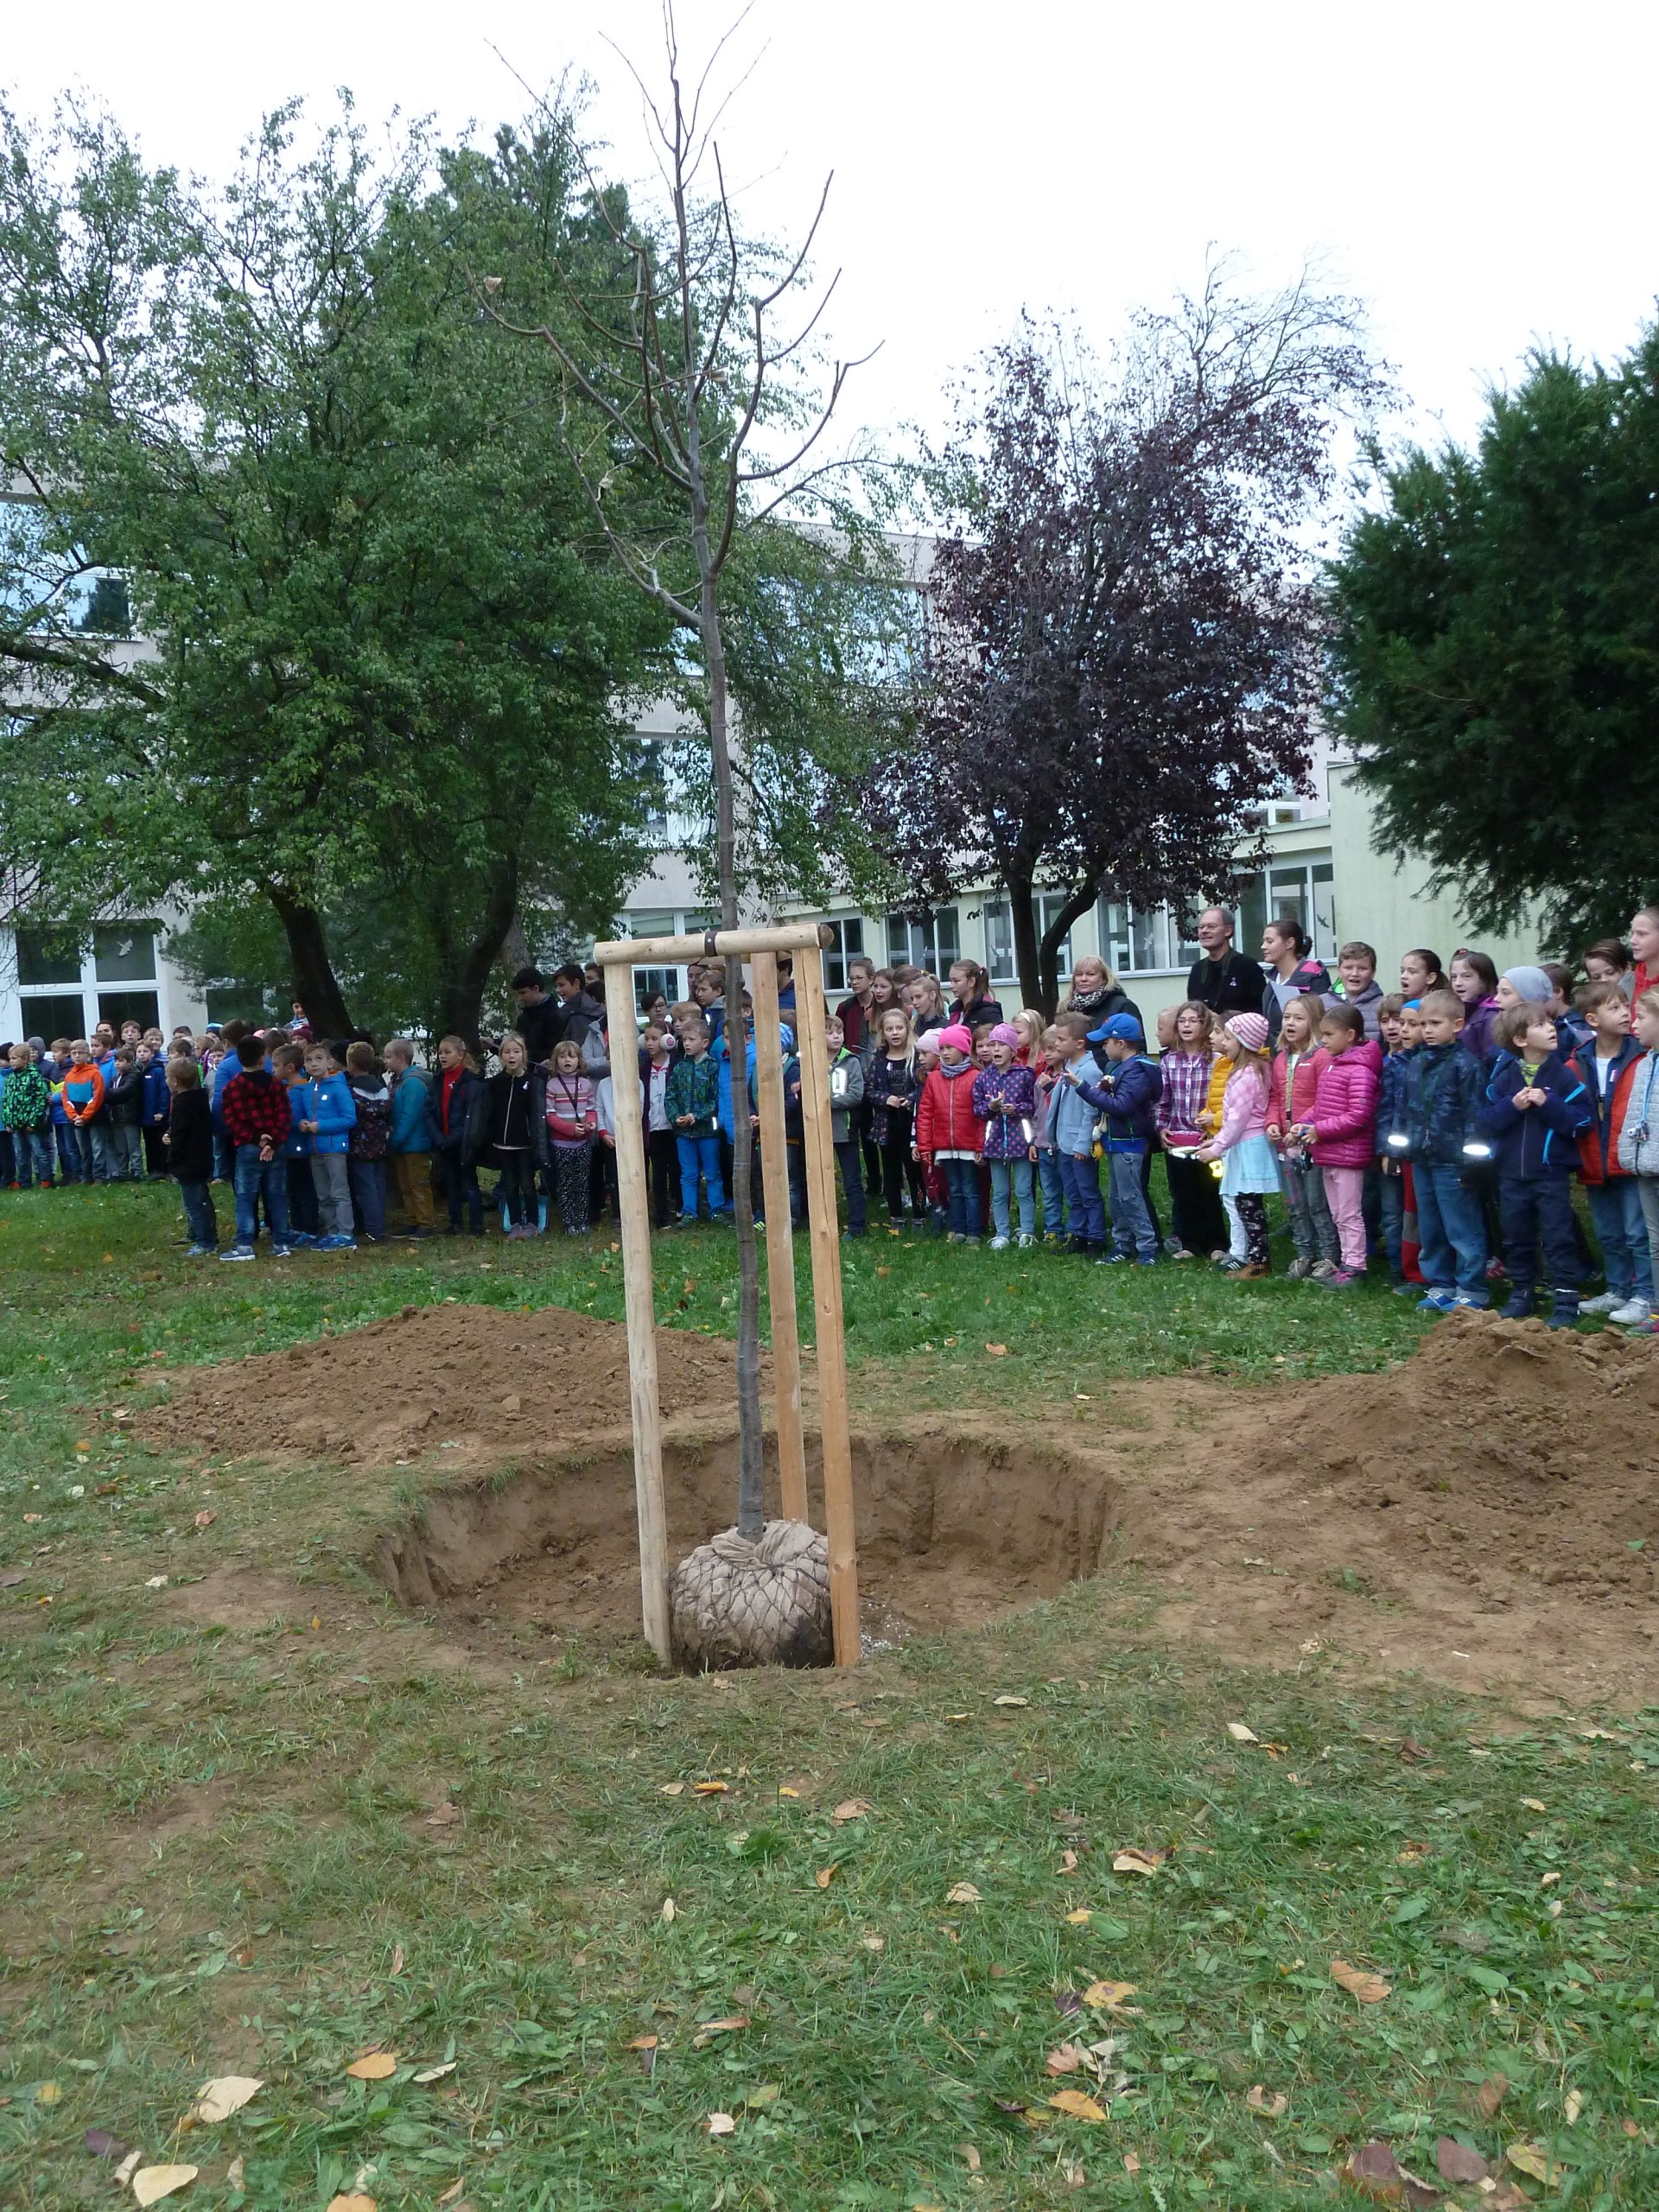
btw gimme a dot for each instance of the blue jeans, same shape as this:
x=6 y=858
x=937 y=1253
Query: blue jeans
x=368 y=1182
x=1048 y=1168
x=1392 y=1200
x=852 y=1177
x=1081 y=1180
x=257 y=1179
x=1451 y=1231
x=199 y=1215
x=75 y=1150
x=961 y=1181
x=1622 y=1232
x=699 y=1156
x=32 y=1148
x=1013 y=1176
x=1133 y=1228
x=101 y=1139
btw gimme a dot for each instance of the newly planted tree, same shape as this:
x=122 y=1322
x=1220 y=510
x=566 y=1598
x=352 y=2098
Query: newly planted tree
x=696 y=389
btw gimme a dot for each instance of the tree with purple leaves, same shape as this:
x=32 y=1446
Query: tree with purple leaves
x=1124 y=657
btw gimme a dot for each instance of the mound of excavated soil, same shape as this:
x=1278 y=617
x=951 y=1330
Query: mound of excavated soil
x=1487 y=1513
x=486 y=1379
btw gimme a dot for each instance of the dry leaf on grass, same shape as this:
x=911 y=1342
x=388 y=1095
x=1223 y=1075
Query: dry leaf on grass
x=1369 y=1988
x=971 y=2158
x=1533 y=2159
x=218 y=2099
x=452 y=2192
x=962 y=1893
x=128 y=2167
x=671 y=1790
x=1010 y=1701
x=710 y=1789
x=396 y=1958
x=670 y=1911
x=207 y=1517
x=151 y=2183
x=1241 y=1734
x=423 y=2075
x=1273 y=2102
x=373 y=2066
x=825 y=1876
x=1490 y=2094
x=720 y=2123
x=444 y=1815
x=643 y=2043
x=1106 y=1996
x=235 y=2173
x=1068 y=1862
x=851 y=1808
x=1080 y=1918
x=874 y=1942
x=1571 y=2105
x=711 y=2029
x=49 y=2093
x=1065 y=2058
x=352 y=2201
x=1458 y=2163
x=997 y=1351
x=1076 y=2105
x=1133 y=1860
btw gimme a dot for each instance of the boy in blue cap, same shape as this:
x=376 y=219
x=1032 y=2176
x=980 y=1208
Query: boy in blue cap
x=1126 y=1099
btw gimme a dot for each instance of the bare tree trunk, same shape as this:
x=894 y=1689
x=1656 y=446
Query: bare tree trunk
x=1078 y=901
x=311 y=972
x=463 y=994
x=1016 y=881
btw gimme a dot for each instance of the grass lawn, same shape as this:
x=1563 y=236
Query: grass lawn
x=268 y=1849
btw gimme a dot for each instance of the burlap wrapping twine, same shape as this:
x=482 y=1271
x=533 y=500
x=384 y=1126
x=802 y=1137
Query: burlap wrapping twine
x=765 y=1604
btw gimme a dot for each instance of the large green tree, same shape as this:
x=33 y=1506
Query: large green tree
x=1495 y=650
x=387 y=657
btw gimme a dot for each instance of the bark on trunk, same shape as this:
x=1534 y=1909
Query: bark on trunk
x=1016 y=881
x=1079 y=902
x=311 y=972
x=469 y=973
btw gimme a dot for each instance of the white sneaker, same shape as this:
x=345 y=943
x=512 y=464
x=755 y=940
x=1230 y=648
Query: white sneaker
x=999 y=1244
x=1026 y=1244
x=1634 y=1314
x=1605 y=1304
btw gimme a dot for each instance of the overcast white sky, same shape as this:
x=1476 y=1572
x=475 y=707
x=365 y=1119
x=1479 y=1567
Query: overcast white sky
x=1482 y=174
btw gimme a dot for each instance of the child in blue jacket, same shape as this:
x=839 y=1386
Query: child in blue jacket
x=328 y=1115
x=1126 y=1099
x=1536 y=1108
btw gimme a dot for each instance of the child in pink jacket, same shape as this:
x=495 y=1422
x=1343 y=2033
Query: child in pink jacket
x=1342 y=1132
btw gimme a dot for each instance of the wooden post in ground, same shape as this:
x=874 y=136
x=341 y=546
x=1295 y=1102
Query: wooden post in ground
x=780 y=1246
x=826 y=1298
x=633 y=1206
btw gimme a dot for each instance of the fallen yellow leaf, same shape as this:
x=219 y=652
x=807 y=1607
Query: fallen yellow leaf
x=1533 y=2159
x=825 y=1876
x=151 y=2183
x=1273 y=2102
x=709 y=1789
x=352 y=2201
x=711 y=2029
x=1068 y=1862
x=874 y=1942
x=444 y=1815
x=1106 y=1996
x=670 y=1911
x=962 y=1893
x=851 y=1808
x=673 y=1790
x=1133 y=1861
x=1241 y=1734
x=423 y=2075
x=1534 y=1804
x=373 y=2066
x=207 y=1517
x=1011 y=1700
x=396 y=1958
x=1369 y=1988
x=997 y=1351
x=1064 y=2058
x=784 y=1790
x=1076 y=2105
x=720 y=2123
x=218 y=2099
x=1571 y=2105
x=49 y=2093
x=1080 y=1918
x=643 y=2043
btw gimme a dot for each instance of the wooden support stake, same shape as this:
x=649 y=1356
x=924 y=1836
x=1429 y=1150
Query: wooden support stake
x=780 y=1244
x=633 y=1206
x=826 y=1298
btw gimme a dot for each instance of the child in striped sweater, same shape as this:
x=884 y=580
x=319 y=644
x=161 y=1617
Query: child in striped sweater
x=572 y=1118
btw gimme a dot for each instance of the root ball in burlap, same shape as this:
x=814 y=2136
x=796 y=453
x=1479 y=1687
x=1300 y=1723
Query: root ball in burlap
x=765 y=1604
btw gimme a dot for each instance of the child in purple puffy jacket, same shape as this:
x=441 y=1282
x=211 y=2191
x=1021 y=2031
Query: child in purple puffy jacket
x=1005 y=1098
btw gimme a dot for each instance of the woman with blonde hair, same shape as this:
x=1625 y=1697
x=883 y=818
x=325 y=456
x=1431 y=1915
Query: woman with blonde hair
x=1097 y=993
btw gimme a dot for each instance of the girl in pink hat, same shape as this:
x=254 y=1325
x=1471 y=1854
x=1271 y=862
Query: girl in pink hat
x=1251 y=1171
x=950 y=1133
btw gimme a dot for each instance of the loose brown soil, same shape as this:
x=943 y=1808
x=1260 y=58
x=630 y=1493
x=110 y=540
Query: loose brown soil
x=1485 y=1514
x=480 y=1381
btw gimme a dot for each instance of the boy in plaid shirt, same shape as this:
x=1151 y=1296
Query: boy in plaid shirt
x=255 y=1112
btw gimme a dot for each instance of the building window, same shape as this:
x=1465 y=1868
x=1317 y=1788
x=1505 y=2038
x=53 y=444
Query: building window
x=1145 y=941
x=999 y=935
x=45 y=961
x=1304 y=890
x=932 y=941
x=125 y=953
x=54 y=1013
x=848 y=946
x=663 y=921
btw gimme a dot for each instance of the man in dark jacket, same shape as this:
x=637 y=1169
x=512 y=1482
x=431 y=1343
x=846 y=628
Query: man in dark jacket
x=541 y=1019
x=1224 y=981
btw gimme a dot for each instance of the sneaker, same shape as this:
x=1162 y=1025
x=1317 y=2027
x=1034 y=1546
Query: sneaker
x=1403 y=1290
x=1298 y=1270
x=1175 y=1248
x=1117 y=1259
x=1522 y=1306
x=1339 y=1279
x=1322 y=1270
x=1494 y=1270
x=999 y=1244
x=1634 y=1314
x=282 y=1251
x=1564 y=1314
x=1463 y=1303
x=1437 y=1301
x=1227 y=1265
x=1026 y=1241
x=238 y=1252
x=1608 y=1301
x=202 y=1252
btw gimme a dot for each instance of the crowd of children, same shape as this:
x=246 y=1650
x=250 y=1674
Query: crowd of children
x=1436 y=1130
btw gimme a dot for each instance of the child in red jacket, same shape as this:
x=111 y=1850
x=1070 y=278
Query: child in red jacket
x=1342 y=1131
x=949 y=1133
